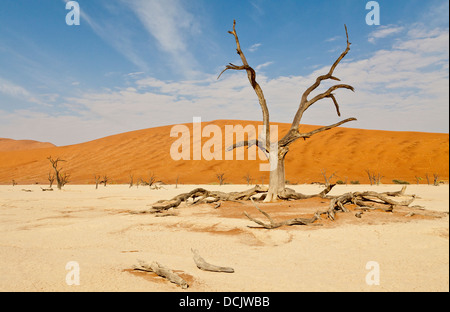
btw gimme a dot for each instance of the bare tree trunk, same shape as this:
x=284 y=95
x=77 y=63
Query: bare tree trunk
x=277 y=181
x=60 y=179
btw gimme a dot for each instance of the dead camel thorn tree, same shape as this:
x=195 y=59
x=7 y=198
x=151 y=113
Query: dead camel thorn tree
x=276 y=152
x=61 y=178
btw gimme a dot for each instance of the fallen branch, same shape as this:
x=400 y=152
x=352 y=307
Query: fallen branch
x=368 y=201
x=274 y=225
x=363 y=201
x=162 y=271
x=205 y=266
x=200 y=196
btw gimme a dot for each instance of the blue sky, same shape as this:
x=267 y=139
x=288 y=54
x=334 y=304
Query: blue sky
x=136 y=64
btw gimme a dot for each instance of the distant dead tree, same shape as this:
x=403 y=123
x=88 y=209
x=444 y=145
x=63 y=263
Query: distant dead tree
x=378 y=178
x=14 y=183
x=325 y=176
x=428 y=178
x=370 y=177
x=176 y=181
x=418 y=179
x=374 y=178
x=104 y=180
x=131 y=180
x=51 y=179
x=435 y=179
x=65 y=178
x=248 y=178
x=150 y=180
x=97 y=180
x=221 y=178
x=61 y=179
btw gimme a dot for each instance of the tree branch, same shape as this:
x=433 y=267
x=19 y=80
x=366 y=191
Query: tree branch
x=305 y=103
x=252 y=79
x=292 y=136
x=249 y=144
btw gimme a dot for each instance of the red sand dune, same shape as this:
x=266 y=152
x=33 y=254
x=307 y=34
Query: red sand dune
x=21 y=145
x=348 y=152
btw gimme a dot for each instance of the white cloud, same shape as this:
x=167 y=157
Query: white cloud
x=254 y=47
x=261 y=66
x=402 y=88
x=383 y=32
x=14 y=90
x=332 y=39
x=171 y=25
x=117 y=36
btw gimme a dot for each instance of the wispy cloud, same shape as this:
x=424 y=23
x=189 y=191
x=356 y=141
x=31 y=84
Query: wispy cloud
x=383 y=32
x=118 y=36
x=254 y=47
x=261 y=66
x=12 y=89
x=171 y=25
x=332 y=39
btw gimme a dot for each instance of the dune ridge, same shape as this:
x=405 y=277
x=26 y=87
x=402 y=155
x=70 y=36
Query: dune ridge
x=347 y=152
x=21 y=145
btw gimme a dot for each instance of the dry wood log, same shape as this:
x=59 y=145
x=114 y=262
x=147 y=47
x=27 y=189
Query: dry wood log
x=205 y=266
x=368 y=201
x=363 y=200
x=293 y=195
x=274 y=225
x=162 y=271
x=200 y=196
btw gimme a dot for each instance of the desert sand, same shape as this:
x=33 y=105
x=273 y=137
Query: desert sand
x=346 y=152
x=103 y=231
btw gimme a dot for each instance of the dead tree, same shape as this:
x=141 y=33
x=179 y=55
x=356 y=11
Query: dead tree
x=374 y=178
x=276 y=152
x=435 y=179
x=248 y=178
x=370 y=177
x=97 y=180
x=221 y=178
x=131 y=180
x=14 y=183
x=326 y=177
x=105 y=180
x=65 y=178
x=418 y=179
x=61 y=179
x=150 y=181
x=51 y=179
